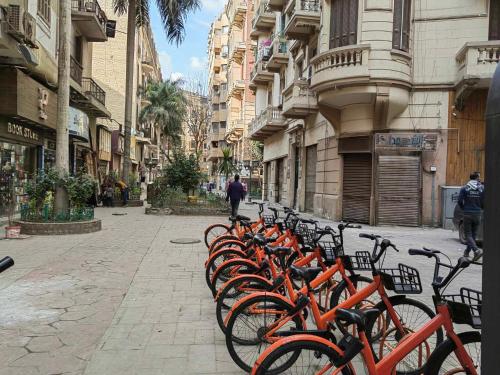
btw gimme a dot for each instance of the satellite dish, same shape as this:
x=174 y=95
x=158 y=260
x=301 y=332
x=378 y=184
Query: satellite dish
x=28 y=54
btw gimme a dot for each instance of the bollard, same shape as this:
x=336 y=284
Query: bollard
x=490 y=360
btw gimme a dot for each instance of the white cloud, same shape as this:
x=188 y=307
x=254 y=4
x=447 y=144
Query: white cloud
x=165 y=62
x=215 y=5
x=196 y=63
x=175 y=76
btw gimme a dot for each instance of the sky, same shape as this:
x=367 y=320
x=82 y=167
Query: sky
x=189 y=59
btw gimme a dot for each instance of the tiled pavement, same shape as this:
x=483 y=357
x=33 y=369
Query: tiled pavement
x=128 y=301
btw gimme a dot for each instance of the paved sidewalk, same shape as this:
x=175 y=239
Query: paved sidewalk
x=128 y=301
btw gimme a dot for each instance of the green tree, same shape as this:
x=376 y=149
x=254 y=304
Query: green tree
x=173 y=14
x=167 y=108
x=183 y=172
x=226 y=165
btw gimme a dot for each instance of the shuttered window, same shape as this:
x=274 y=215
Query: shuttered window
x=343 y=23
x=401 y=25
x=44 y=10
x=494 y=31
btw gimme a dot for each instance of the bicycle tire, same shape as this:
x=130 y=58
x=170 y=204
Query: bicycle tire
x=339 y=290
x=222 y=300
x=232 y=242
x=239 y=311
x=223 y=272
x=446 y=350
x=217 y=259
x=411 y=306
x=318 y=349
x=211 y=228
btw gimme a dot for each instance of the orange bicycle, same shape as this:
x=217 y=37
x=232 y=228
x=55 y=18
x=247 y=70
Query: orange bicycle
x=459 y=353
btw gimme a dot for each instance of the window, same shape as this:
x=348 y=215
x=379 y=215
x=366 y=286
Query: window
x=225 y=51
x=223 y=67
x=344 y=23
x=215 y=107
x=44 y=10
x=401 y=25
x=222 y=124
x=225 y=29
x=494 y=31
x=223 y=105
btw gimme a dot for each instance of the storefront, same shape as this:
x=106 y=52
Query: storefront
x=21 y=154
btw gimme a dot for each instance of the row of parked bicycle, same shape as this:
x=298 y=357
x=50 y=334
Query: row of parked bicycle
x=290 y=300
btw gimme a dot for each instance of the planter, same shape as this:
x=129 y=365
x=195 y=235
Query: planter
x=188 y=211
x=12 y=231
x=57 y=228
x=130 y=203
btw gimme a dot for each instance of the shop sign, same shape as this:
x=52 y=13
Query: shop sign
x=406 y=141
x=20 y=132
x=78 y=123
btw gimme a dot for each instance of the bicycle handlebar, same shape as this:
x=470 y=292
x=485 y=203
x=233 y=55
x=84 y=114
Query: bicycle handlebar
x=6 y=263
x=369 y=236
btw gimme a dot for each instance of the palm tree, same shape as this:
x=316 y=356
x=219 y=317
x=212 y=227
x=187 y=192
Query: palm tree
x=226 y=165
x=166 y=108
x=173 y=14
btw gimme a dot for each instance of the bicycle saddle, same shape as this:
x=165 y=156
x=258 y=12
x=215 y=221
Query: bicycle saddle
x=357 y=316
x=306 y=273
x=241 y=217
x=260 y=240
x=277 y=250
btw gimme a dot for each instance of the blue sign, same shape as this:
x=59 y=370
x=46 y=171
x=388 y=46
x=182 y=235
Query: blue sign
x=78 y=124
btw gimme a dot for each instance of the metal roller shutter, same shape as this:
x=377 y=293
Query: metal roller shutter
x=357 y=187
x=311 y=158
x=399 y=190
x=280 y=180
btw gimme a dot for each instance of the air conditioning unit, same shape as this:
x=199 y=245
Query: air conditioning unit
x=20 y=25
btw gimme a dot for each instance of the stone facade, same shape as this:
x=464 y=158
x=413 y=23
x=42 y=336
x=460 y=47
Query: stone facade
x=345 y=114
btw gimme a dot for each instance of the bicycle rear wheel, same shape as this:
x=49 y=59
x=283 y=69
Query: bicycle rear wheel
x=214 y=231
x=230 y=269
x=311 y=357
x=217 y=259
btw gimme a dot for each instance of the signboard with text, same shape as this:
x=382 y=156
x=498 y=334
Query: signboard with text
x=78 y=124
x=406 y=141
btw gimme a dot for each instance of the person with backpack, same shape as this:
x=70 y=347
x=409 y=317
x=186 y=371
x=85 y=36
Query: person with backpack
x=471 y=200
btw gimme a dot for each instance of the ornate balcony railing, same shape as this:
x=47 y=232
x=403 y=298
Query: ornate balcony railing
x=339 y=58
x=478 y=59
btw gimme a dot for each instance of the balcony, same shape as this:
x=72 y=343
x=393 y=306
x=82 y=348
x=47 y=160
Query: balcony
x=234 y=131
x=260 y=75
x=89 y=97
x=277 y=55
x=147 y=65
x=299 y=100
x=214 y=153
x=218 y=135
x=90 y=19
x=302 y=18
x=476 y=63
x=264 y=19
x=75 y=70
x=276 y=5
x=237 y=88
x=236 y=11
x=270 y=121
x=237 y=52
x=340 y=66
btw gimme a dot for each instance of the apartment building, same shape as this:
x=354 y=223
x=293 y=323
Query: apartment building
x=367 y=108
x=28 y=86
x=145 y=142
x=232 y=99
x=218 y=51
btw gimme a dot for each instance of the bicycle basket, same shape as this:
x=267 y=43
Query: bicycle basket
x=360 y=261
x=291 y=222
x=330 y=250
x=268 y=220
x=305 y=234
x=401 y=280
x=465 y=307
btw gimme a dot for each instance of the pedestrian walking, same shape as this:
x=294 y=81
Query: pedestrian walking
x=124 y=190
x=235 y=193
x=471 y=200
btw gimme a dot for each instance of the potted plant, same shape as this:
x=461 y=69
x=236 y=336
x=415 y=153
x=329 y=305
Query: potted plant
x=12 y=230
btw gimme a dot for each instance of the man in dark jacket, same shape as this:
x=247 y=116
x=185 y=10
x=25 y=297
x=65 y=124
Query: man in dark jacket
x=235 y=193
x=470 y=200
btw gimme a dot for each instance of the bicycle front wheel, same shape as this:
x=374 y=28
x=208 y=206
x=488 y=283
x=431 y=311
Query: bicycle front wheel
x=311 y=357
x=444 y=360
x=249 y=323
x=214 y=231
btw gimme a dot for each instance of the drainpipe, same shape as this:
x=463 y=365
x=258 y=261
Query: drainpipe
x=491 y=261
